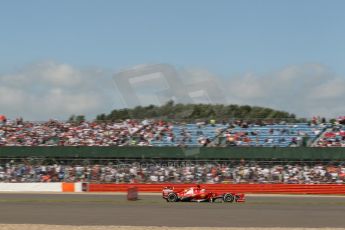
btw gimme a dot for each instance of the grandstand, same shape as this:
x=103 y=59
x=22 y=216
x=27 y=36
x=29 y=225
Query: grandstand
x=82 y=151
x=160 y=133
x=192 y=135
x=273 y=135
x=334 y=136
x=178 y=125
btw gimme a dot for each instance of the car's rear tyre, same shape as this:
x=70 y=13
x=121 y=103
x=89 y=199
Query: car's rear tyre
x=172 y=197
x=228 y=198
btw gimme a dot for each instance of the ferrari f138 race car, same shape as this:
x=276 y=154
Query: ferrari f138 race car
x=196 y=194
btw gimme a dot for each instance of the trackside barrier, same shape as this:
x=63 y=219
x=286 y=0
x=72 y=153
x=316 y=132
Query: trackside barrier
x=78 y=187
x=68 y=187
x=245 y=188
x=133 y=189
x=41 y=187
x=31 y=187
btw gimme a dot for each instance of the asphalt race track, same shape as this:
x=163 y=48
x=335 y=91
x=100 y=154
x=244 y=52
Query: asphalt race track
x=95 y=209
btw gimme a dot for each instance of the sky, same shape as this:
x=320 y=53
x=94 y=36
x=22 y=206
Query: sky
x=60 y=57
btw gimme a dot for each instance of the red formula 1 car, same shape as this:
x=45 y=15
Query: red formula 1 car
x=197 y=194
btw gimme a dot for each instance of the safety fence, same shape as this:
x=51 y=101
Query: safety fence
x=205 y=153
x=245 y=188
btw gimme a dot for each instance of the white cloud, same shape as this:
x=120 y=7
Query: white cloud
x=306 y=90
x=52 y=90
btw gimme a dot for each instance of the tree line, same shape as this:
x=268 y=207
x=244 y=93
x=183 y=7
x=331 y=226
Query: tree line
x=185 y=112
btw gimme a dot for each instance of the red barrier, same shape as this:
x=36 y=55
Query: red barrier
x=245 y=188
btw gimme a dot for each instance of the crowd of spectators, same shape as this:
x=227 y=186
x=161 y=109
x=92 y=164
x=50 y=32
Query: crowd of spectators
x=162 y=133
x=125 y=133
x=56 y=133
x=271 y=135
x=199 y=134
x=174 y=172
x=335 y=137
